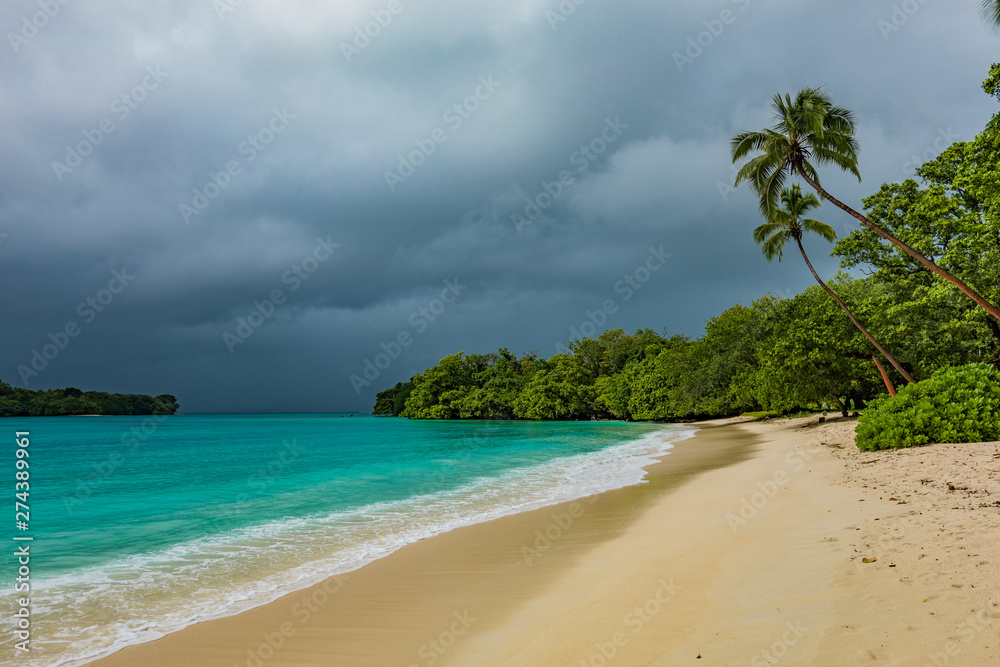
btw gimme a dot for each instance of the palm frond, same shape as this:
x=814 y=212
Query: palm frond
x=813 y=105
x=809 y=202
x=840 y=119
x=781 y=107
x=745 y=143
x=816 y=95
x=794 y=206
x=805 y=128
x=746 y=172
x=820 y=228
x=991 y=13
x=835 y=144
x=781 y=219
x=847 y=161
x=786 y=222
x=770 y=192
x=840 y=138
x=774 y=245
x=767 y=230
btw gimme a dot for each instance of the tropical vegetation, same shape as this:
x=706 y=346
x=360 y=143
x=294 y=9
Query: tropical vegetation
x=812 y=350
x=787 y=223
x=954 y=405
x=810 y=131
x=15 y=402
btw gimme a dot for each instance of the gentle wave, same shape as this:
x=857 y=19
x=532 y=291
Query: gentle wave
x=94 y=611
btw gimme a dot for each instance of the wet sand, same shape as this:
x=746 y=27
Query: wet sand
x=748 y=545
x=389 y=611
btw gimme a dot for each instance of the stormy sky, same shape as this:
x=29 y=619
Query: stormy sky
x=246 y=202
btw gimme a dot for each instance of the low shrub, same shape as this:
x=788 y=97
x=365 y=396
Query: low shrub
x=960 y=404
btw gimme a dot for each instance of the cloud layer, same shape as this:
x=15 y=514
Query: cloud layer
x=538 y=149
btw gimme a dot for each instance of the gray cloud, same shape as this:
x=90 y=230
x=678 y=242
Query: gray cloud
x=211 y=105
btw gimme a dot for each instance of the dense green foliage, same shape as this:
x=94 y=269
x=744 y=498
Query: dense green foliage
x=953 y=216
x=71 y=401
x=810 y=132
x=959 y=404
x=776 y=354
x=780 y=355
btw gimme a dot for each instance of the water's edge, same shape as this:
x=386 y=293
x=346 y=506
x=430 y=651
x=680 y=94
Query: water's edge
x=630 y=470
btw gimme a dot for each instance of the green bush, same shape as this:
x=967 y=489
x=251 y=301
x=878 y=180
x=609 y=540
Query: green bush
x=960 y=404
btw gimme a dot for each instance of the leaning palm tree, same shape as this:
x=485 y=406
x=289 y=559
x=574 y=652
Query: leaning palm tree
x=810 y=129
x=788 y=222
x=991 y=13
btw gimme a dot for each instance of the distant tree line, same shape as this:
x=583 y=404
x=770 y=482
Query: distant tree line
x=777 y=354
x=16 y=402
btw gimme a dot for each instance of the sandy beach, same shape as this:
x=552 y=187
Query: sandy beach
x=752 y=543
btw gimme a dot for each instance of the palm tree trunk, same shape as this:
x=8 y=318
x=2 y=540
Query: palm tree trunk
x=915 y=254
x=847 y=310
x=885 y=376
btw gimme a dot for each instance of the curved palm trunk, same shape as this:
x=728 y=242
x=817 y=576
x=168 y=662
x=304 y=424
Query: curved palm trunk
x=847 y=310
x=885 y=376
x=915 y=254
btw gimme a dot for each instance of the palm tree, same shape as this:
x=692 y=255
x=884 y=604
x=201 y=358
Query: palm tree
x=991 y=13
x=811 y=128
x=788 y=222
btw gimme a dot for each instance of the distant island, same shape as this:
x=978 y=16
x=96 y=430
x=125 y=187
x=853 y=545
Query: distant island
x=71 y=401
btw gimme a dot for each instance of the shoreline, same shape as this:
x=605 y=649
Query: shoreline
x=790 y=546
x=589 y=526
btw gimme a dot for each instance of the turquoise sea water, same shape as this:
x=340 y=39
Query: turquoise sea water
x=145 y=525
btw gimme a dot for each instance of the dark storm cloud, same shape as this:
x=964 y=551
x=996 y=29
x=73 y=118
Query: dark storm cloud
x=224 y=147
